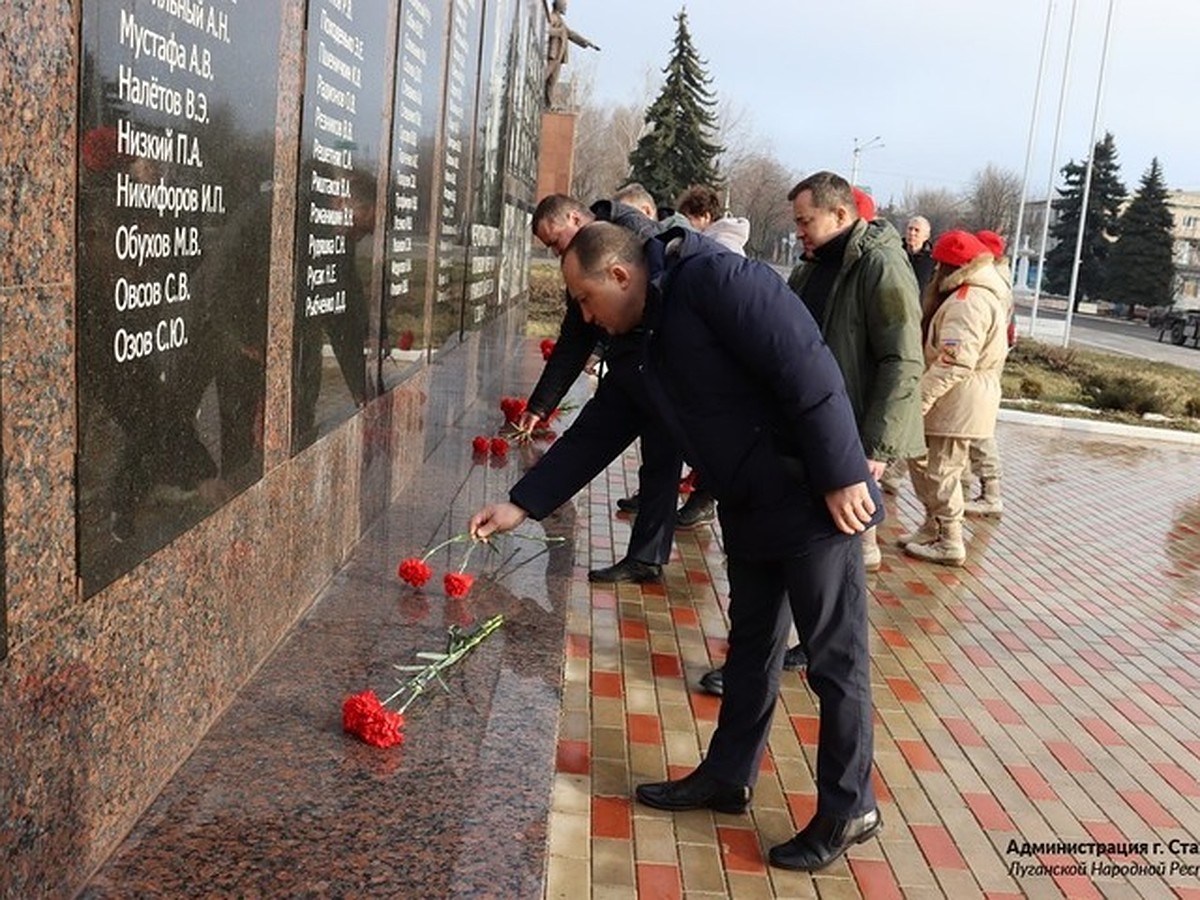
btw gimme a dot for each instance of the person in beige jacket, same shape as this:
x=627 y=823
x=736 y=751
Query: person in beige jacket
x=985 y=454
x=965 y=328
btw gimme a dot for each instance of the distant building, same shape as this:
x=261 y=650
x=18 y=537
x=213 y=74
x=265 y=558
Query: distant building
x=1185 y=208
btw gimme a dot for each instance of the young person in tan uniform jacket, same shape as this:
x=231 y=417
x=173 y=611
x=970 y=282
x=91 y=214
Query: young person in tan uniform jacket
x=965 y=328
x=985 y=454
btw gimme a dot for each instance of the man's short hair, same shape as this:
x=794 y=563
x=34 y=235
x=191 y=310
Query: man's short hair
x=597 y=245
x=918 y=220
x=554 y=207
x=829 y=190
x=699 y=200
x=634 y=194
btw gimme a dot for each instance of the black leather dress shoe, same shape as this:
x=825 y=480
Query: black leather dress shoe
x=823 y=840
x=627 y=570
x=795 y=659
x=628 y=504
x=696 y=791
x=713 y=682
x=700 y=509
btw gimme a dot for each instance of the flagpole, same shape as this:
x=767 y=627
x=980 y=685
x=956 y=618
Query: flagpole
x=1087 y=178
x=1062 y=106
x=1033 y=117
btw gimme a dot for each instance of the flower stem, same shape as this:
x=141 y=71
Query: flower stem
x=458 y=644
x=538 y=540
x=467 y=556
x=457 y=539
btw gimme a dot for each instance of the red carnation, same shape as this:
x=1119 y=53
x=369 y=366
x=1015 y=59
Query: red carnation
x=367 y=719
x=480 y=444
x=513 y=408
x=415 y=571
x=499 y=446
x=457 y=584
x=547 y=347
x=405 y=341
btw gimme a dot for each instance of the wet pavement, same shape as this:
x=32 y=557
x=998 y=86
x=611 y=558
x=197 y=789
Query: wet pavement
x=1038 y=730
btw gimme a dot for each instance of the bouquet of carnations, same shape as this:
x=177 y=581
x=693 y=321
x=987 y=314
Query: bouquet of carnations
x=367 y=717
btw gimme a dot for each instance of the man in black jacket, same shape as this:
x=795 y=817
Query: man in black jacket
x=738 y=372
x=556 y=220
x=920 y=251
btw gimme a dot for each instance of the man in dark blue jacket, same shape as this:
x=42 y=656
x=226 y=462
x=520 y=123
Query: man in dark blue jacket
x=739 y=373
x=556 y=220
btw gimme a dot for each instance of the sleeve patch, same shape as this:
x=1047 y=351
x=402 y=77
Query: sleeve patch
x=961 y=293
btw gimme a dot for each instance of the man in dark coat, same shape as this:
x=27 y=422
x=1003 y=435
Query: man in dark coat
x=739 y=373
x=555 y=221
x=917 y=245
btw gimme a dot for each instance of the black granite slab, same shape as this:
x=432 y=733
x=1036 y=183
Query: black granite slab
x=176 y=153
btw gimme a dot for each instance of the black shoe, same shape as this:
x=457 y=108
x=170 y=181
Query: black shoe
x=627 y=570
x=795 y=659
x=823 y=840
x=713 y=682
x=628 y=504
x=700 y=509
x=696 y=791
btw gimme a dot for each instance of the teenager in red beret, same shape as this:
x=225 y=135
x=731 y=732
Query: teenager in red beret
x=964 y=324
x=985 y=453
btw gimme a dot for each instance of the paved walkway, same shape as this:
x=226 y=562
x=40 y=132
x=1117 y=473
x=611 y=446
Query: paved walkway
x=1033 y=708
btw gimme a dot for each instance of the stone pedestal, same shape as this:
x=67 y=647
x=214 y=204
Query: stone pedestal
x=556 y=156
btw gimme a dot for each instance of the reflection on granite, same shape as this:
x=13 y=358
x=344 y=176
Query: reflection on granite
x=276 y=800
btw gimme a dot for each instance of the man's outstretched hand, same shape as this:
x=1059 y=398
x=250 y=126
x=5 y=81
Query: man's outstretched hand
x=495 y=518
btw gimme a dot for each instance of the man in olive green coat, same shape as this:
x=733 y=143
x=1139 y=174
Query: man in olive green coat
x=856 y=281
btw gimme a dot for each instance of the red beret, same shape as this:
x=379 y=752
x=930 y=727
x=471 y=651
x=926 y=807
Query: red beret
x=993 y=242
x=957 y=248
x=864 y=204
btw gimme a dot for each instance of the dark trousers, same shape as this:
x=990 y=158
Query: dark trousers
x=658 y=475
x=826 y=591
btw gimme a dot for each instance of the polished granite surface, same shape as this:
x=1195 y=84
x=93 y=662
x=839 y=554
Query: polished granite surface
x=278 y=801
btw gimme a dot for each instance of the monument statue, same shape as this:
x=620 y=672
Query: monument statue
x=556 y=46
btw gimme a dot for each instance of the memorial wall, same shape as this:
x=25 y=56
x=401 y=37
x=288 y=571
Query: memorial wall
x=241 y=240
x=177 y=121
x=408 y=191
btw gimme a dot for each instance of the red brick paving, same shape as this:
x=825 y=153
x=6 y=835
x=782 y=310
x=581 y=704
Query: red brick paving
x=1037 y=701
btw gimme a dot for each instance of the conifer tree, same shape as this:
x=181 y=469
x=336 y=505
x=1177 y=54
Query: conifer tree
x=678 y=149
x=1141 y=267
x=1104 y=203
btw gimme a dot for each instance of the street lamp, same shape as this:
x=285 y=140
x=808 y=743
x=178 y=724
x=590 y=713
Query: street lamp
x=874 y=142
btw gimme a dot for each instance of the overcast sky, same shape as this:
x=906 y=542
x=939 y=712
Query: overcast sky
x=948 y=84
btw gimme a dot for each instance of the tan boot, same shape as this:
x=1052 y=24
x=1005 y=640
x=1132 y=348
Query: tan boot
x=872 y=557
x=948 y=549
x=894 y=476
x=927 y=533
x=988 y=503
